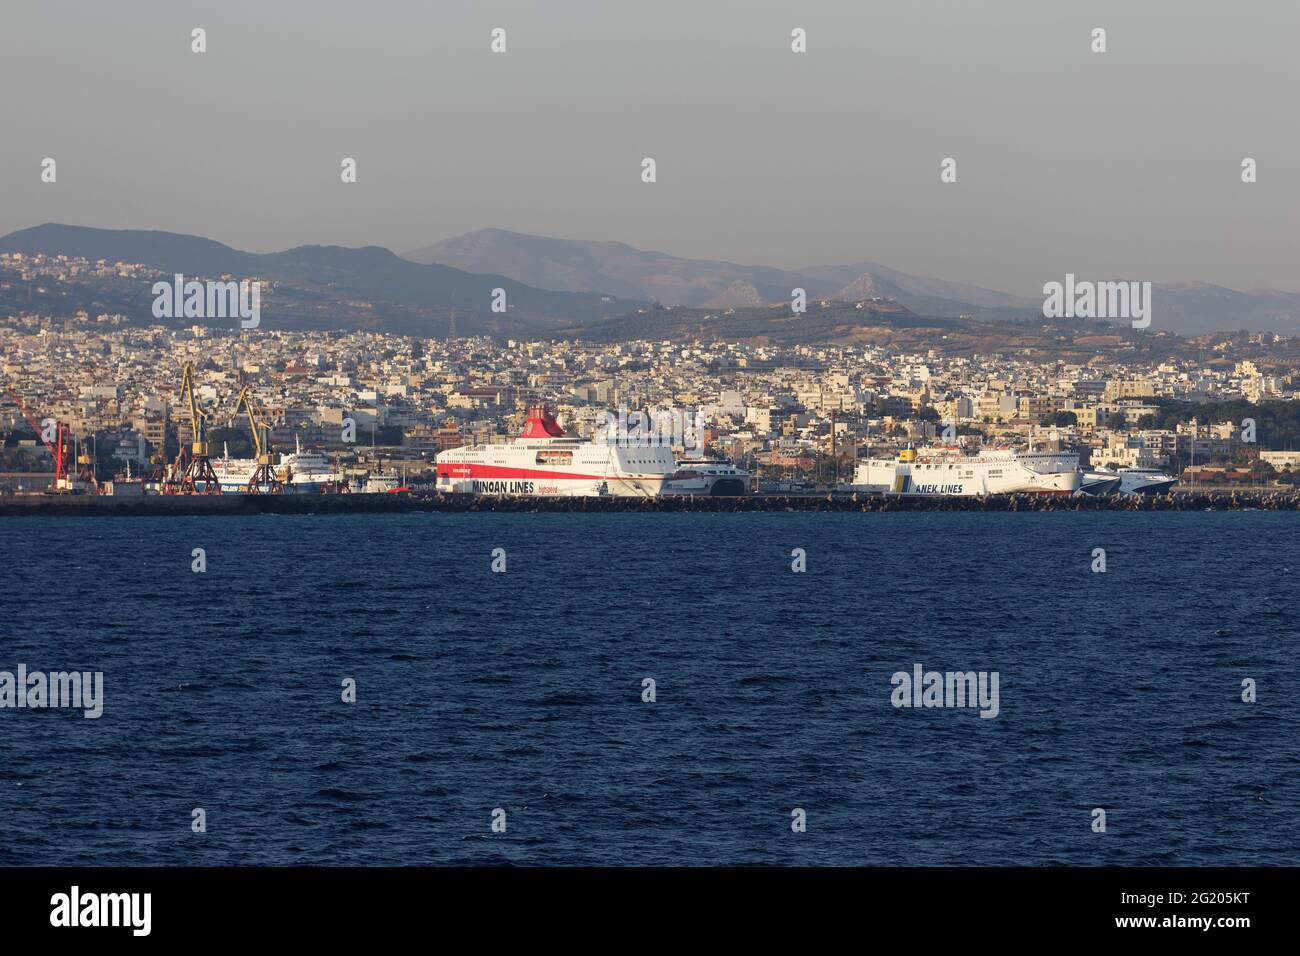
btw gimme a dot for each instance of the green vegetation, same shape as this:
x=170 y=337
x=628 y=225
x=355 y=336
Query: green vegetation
x=1060 y=420
x=1277 y=424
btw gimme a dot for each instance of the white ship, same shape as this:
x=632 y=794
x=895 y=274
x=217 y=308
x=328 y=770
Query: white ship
x=233 y=473
x=302 y=470
x=1099 y=483
x=1143 y=481
x=378 y=482
x=946 y=471
x=708 y=476
x=543 y=460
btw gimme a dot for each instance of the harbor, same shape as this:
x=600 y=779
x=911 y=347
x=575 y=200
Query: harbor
x=49 y=505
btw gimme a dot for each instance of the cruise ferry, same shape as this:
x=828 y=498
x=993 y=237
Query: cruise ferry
x=304 y=471
x=545 y=461
x=947 y=471
x=708 y=476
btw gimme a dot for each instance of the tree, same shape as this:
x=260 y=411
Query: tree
x=1116 y=421
x=238 y=441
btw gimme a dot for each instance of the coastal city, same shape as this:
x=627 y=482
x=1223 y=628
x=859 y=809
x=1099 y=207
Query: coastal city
x=570 y=438
x=372 y=411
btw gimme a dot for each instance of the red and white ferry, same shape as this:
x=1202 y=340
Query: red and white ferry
x=545 y=461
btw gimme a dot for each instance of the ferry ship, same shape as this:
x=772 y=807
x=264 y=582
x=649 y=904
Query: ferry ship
x=708 y=476
x=1099 y=483
x=1143 y=481
x=993 y=471
x=545 y=461
x=305 y=471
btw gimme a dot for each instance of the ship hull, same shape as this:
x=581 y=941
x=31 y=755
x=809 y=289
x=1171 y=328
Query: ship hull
x=544 y=462
x=709 y=479
x=1099 y=484
x=472 y=478
x=967 y=477
x=1147 y=486
x=234 y=474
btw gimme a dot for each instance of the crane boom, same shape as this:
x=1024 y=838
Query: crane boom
x=58 y=447
x=256 y=422
x=198 y=417
x=31 y=419
x=195 y=476
x=264 y=478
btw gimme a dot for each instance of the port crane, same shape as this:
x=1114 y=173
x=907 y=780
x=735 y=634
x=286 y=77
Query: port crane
x=59 y=446
x=264 y=478
x=86 y=477
x=196 y=474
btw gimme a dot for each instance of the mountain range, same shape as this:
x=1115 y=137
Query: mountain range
x=1188 y=308
x=330 y=286
x=619 y=269
x=552 y=284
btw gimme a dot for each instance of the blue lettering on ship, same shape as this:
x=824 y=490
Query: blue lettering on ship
x=936 y=489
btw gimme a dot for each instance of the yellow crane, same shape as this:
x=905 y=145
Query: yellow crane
x=264 y=478
x=196 y=474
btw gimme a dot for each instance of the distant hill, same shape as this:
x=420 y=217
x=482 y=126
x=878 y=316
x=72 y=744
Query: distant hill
x=621 y=270
x=611 y=267
x=1193 y=308
x=837 y=323
x=333 y=286
x=552 y=284
x=887 y=325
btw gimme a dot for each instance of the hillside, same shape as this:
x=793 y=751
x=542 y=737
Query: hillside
x=1187 y=308
x=315 y=286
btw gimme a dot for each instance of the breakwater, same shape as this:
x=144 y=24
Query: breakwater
x=162 y=505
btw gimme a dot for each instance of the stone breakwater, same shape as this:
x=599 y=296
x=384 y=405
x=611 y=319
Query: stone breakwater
x=109 y=506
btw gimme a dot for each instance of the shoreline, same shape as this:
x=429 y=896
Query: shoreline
x=387 y=503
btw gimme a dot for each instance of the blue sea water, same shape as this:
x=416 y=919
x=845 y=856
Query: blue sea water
x=523 y=690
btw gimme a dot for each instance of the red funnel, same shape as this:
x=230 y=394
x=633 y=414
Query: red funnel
x=541 y=424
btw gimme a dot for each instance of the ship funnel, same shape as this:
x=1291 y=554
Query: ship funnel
x=541 y=424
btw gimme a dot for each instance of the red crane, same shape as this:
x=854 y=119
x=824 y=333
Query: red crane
x=59 y=447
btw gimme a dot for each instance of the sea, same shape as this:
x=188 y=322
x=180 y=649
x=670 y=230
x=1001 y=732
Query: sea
x=663 y=689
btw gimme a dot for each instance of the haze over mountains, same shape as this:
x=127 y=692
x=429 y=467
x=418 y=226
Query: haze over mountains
x=620 y=269
x=332 y=286
x=554 y=284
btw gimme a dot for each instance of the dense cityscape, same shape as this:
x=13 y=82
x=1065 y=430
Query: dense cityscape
x=796 y=416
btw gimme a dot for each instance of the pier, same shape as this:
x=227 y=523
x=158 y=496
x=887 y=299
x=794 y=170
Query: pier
x=65 y=505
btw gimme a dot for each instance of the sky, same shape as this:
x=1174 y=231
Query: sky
x=1119 y=165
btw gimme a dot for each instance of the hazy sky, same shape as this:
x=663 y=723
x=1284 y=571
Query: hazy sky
x=1120 y=165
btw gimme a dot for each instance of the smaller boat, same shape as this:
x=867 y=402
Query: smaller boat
x=1099 y=483
x=709 y=476
x=1142 y=481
